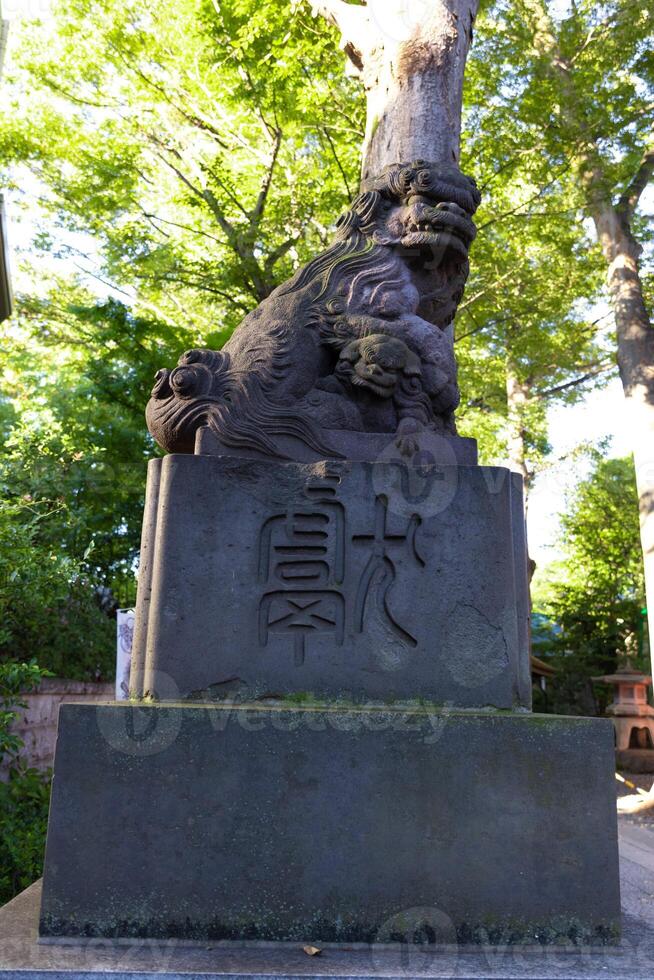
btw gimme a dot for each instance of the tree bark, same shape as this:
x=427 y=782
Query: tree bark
x=634 y=330
x=635 y=339
x=411 y=62
x=517 y=397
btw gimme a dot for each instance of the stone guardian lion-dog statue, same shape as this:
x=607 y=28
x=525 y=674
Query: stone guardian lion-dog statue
x=359 y=339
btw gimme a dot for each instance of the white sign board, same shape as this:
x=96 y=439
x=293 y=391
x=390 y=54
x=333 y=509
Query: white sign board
x=124 y=637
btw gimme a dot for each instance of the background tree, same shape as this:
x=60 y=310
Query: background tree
x=71 y=468
x=522 y=340
x=196 y=145
x=596 y=592
x=183 y=265
x=578 y=93
x=24 y=793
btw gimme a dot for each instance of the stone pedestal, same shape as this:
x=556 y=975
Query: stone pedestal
x=316 y=824
x=370 y=581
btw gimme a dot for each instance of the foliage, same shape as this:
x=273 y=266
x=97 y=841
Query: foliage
x=15 y=679
x=203 y=223
x=47 y=604
x=553 y=90
x=24 y=801
x=195 y=143
x=76 y=443
x=24 y=797
x=596 y=592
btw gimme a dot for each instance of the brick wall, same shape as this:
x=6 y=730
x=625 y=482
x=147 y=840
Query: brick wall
x=37 y=724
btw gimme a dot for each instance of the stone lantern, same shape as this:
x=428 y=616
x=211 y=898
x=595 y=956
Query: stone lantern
x=632 y=716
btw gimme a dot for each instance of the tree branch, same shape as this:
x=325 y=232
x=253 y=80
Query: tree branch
x=163 y=91
x=629 y=199
x=338 y=163
x=523 y=204
x=599 y=369
x=224 y=185
x=204 y=194
x=352 y=22
x=194 y=231
x=599 y=31
x=197 y=284
x=278 y=253
x=257 y=213
x=105 y=282
x=486 y=289
x=77 y=99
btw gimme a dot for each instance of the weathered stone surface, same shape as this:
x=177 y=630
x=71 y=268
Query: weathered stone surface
x=376 y=581
x=357 y=341
x=315 y=824
x=23 y=957
x=356 y=447
x=146 y=570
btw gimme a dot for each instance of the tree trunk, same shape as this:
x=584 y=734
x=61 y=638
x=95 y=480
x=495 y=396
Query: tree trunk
x=411 y=61
x=635 y=337
x=517 y=397
x=414 y=87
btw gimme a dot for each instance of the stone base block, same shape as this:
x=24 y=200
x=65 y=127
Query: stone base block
x=318 y=823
